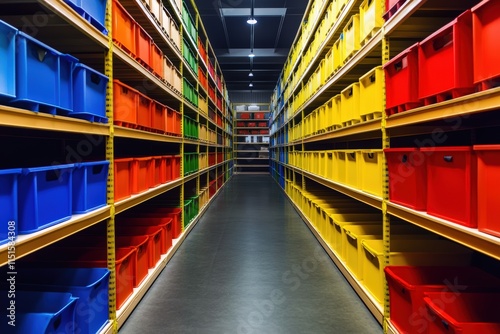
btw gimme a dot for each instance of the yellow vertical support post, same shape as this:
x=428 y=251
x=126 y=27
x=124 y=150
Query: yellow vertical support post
x=385 y=190
x=110 y=224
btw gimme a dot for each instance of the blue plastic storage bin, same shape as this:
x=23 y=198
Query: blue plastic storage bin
x=89 y=94
x=43 y=76
x=7 y=65
x=90 y=285
x=94 y=11
x=45 y=197
x=89 y=186
x=39 y=312
x=8 y=203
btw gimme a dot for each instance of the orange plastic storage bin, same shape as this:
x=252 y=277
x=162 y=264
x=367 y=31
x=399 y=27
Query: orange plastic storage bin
x=153 y=218
x=124 y=27
x=144 y=104
x=173 y=122
x=154 y=239
x=176 y=166
x=485 y=46
x=451 y=184
x=140 y=174
x=125 y=101
x=122 y=175
x=488 y=192
x=158 y=116
x=157 y=60
x=143 y=46
x=445 y=61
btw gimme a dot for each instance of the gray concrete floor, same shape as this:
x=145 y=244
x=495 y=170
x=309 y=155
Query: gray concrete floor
x=251 y=266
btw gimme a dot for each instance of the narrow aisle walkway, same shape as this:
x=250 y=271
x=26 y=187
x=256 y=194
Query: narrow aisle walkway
x=251 y=265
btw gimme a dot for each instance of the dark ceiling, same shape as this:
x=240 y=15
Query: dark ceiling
x=232 y=38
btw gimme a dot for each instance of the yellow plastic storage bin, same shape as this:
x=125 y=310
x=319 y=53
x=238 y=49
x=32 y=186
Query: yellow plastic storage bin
x=408 y=253
x=351 y=38
x=348 y=216
x=354 y=234
x=371 y=94
x=332 y=111
x=349 y=113
x=338 y=58
x=339 y=171
x=370 y=19
x=352 y=166
x=371 y=171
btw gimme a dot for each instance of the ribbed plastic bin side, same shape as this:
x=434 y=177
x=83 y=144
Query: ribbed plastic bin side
x=89 y=186
x=41 y=312
x=90 y=285
x=125 y=104
x=89 y=94
x=8 y=203
x=123 y=181
x=45 y=197
x=8 y=63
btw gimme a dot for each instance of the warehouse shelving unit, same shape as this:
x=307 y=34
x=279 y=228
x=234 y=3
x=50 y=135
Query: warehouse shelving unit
x=307 y=86
x=251 y=138
x=66 y=31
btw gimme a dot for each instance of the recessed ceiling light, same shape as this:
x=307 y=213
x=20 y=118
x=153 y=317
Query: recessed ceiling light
x=251 y=54
x=250 y=74
x=250 y=85
x=251 y=20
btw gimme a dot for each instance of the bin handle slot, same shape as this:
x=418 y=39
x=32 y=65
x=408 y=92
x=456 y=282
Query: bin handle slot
x=95 y=78
x=400 y=65
x=448 y=158
x=53 y=175
x=372 y=78
x=57 y=322
x=41 y=54
x=370 y=155
x=443 y=41
x=97 y=169
x=404 y=158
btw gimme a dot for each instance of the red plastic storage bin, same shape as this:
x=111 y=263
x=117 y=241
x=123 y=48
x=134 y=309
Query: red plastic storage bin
x=488 y=192
x=407 y=177
x=485 y=28
x=173 y=122
x=153 y=218
x=445 y=62
x=469 y=313
x=154 y=239
x=140 y=174
x=143 y=46
x=156 y=171
x=122 y=176
x=391 y=7
x=158 y=116
x=156 y=60
x=124 y=27
x=141 y=244
x=212 y=158
x=176 y=167
x=169 y=212
x=407 y=286
x=144 y=104
x=401 y=81
x=451 y=184
x=244 y=115
x=258 y=115
x=125 y=101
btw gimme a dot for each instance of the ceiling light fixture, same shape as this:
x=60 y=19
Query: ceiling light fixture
x=251 y=55
x=250 y=85
x=250 y=74
x=251 y=19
